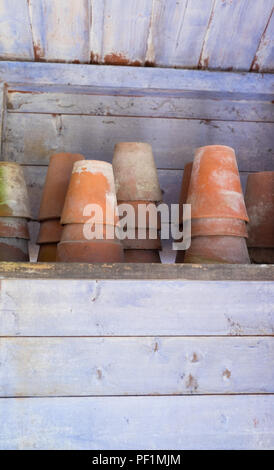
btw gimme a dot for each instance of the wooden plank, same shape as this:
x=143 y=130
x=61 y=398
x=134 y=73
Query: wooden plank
x=31 y=138
x=135 y=308
x=2 y=110
x=234 y=32
x=15 y=30
x=148 y=106
x=33 y=367
x=60 y=30
x=187 y=422
x=264 y=58
x=210 y=272
x=178 y=31
x=141 y=78
x=96 y=30
x=126 y=27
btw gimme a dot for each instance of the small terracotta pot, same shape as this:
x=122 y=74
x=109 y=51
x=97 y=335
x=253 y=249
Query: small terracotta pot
x=92 y=182
x=261 y=255
x=144 y=243
x=14 y=249
x=50 y=231
x=184 y=187
x=47 y=253
x=142 y=256
x=221 y=226
x=14 y=201
x=56 y=185
x=14 y=227
x=259 y=199
x=215 y=187
x=217 y=249
x=97 y=251
x=138 y=222
x=135 y=172
x=78 y=232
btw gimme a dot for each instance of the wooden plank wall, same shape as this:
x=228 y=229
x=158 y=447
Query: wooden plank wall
x=215 y=34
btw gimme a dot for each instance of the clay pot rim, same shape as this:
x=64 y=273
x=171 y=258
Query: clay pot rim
x=81 y=162
x=132 y=143
x=218 y=146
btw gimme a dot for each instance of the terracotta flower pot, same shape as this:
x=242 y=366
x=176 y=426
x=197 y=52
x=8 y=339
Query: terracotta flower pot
x=220 y=226
x=215 y=187
x=135 y=205
x=144 y=243
x=92 y=182
x=14 y=227
x=47 y=253
x=184 y=187
x=142 y=256
x=135 y=172
x=261 y=255
x=56 y=185
x=50 y=231
x=97 y=251
x=14 y=201
x=259 y=199
x=14 y=249
x=217 y=249
x=78 y=232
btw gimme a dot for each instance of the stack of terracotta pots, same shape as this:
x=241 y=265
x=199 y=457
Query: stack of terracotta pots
x=259 y=200
x=137 y=183
x=91 y=183
x=53 y=198
x=14 y=213
x=218 y=212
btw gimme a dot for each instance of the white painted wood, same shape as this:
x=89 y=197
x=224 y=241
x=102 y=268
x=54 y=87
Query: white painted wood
x=135 y=308
x=188 y=422
x=149 y=106
x=60 y=30
x=135 y=77
x=234 y=33
x=15 y=30
x=126 y=27
x=264 y=58
x=32 y=138
x=178 y=29
x=96 y=30
x=135 y=366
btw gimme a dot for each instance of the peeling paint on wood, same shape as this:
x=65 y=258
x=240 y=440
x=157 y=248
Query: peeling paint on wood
x=264 y=58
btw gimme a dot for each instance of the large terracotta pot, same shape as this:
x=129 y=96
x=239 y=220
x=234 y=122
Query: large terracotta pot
x=142 y=256
x=96 y=251
x=220 y=226
x=215 y=187
x=135 y=172
x=50 y=231
x=56 y=185
x=261 y=255
x=14 y=249
x=47 y=253
x=259 y=199
x=14 y=201
x=81 y=232
x=217 y=249
x=92 y=182
x=14 y=227
x=138 y=220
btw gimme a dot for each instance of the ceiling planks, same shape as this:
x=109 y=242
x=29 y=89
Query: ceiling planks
x=264 y=58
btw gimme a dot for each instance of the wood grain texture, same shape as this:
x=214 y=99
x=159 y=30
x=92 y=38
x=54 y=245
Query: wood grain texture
x=96 y=30
x=15 y=31
x=135 y=308
x=188 y=422
x=60 y=30
x=140 y=78
x=32 y=138
x=135 y=366
x=264 y=58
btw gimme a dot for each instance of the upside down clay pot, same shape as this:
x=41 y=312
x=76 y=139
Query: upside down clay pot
x=14 y=249
x=82 y=232
x=92 y=182
x=220 y=226
x=56 y=185
x=14 y=201
x=50 y=231
x=135 y=172
x=217 y=249
x=184 y=187
x=146 y=240
x=261 y=255
x=142 y=256
x=137 y=207
x=47 y=253
x=14 y=227
x=259 y=199
x=215 y=187
x=94 y=251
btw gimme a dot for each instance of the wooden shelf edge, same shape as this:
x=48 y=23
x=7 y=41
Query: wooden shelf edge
x=116 y=271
